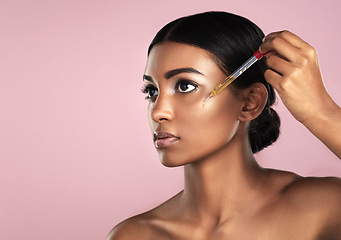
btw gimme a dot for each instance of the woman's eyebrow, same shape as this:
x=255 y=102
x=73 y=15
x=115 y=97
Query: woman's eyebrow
x=174 y=72
x=148 y=78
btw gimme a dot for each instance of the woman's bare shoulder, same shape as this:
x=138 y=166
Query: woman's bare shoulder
x=149 y=225
x=315 y=199
x=136 y=227
x=295 y=187
x=315 y=189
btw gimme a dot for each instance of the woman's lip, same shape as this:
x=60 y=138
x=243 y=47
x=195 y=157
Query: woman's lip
x=165 y=142
x=163 y=139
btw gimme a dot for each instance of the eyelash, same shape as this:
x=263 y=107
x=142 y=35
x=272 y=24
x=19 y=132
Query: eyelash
x=146 y=89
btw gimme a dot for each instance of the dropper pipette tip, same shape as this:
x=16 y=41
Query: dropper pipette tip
x=205 y=100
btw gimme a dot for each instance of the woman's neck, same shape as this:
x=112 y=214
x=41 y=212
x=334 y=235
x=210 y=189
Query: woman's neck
x=216 y=187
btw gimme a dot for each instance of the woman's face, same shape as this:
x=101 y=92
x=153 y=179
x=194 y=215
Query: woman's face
x=178 y=77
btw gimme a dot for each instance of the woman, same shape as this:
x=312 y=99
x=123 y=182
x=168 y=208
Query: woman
x=227 y=195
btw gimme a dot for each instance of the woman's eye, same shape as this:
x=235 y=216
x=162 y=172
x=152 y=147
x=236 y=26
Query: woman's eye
x=185 y=86
x=151 y=91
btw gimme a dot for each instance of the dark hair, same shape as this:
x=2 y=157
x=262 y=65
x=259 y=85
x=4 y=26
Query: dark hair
x=231 y=40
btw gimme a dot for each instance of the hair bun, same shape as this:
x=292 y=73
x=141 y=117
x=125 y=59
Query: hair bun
x=264 y=130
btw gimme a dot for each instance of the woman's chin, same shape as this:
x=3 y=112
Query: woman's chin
x=170 y=161
x=171 y=164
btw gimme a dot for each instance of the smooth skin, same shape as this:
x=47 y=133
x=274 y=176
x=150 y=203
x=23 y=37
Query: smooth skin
x=227 y=195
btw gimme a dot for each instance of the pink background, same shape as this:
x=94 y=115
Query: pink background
x=75 y=149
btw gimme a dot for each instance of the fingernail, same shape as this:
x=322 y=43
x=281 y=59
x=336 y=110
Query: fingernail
x=263 y=40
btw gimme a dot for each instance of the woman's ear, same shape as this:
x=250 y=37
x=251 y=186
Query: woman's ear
x=255 y=98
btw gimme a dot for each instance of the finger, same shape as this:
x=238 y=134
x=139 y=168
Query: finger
x=273 y=78
x=280 y=65
x=289 y=37
x=280 y=46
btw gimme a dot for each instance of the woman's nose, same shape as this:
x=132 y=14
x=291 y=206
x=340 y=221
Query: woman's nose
x=162 y=109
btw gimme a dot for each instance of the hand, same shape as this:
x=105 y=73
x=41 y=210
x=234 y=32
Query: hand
x=295 y=73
